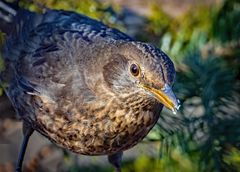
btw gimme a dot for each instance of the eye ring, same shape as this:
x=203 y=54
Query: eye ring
x=134 y=69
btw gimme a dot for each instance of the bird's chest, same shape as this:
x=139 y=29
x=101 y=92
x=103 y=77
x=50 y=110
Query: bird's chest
x=131 y=127
x=99 y=130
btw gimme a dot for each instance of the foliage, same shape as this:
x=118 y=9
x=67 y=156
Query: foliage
x=92 y=8
x=226 y=24
x=233 y=158
x=170 y=163
x=210 y=108
x=156 y=26
x=177 y=35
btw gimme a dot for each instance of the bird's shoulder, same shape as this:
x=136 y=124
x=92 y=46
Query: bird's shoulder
x=46 y=68
x=45 y=44
x=43 y=61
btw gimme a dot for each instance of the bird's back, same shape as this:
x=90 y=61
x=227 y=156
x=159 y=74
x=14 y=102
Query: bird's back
x=29 y=29
x=38 y=51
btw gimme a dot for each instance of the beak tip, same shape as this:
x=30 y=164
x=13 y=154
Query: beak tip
x=175 y=102
x=176 y=107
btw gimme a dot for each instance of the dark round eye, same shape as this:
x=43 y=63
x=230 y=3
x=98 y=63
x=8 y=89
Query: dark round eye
x=134 y=69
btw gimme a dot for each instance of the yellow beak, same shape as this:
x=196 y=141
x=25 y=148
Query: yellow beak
x=165 y=96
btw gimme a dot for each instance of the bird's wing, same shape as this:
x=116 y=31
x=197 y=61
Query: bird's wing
x=40 y=57
x=35 y=35
x=49 y=73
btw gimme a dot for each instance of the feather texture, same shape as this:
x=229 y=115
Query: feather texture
x=68 y=77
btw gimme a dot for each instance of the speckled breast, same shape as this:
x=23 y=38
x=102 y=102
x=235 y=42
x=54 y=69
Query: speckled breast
x=105 y=131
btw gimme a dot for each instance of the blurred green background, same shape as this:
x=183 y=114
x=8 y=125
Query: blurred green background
x=203 y=40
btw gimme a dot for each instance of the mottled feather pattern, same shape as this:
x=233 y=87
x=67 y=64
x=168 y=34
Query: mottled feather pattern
x=69 y=78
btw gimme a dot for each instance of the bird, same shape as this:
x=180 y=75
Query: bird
x=87 y=87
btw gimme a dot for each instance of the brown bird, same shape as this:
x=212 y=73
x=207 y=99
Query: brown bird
x=87 y=87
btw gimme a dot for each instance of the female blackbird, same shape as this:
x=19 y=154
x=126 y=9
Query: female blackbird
x=85 y=86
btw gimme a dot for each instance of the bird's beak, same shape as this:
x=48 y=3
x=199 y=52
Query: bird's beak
x=165 y=96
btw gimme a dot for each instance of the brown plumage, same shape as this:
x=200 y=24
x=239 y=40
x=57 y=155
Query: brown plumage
x=86 y=87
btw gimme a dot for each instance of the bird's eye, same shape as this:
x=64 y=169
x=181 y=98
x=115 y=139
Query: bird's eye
x=134 y=69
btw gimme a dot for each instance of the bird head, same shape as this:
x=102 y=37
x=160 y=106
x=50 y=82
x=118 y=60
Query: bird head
x=138 y=68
